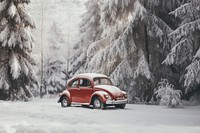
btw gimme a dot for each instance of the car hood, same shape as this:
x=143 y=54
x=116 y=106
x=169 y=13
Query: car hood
x=114 y=91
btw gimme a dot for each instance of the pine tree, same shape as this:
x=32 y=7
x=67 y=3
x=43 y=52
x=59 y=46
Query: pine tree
x=124 y=52
x=90 y=31
x=129 y=50
x=55 y=75
x=16 y=42
x=55 y=64
x=185 y=43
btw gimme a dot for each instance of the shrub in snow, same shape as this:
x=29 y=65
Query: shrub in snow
x=167 y=95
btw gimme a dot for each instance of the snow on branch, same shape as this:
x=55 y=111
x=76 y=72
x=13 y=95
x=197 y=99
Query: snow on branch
x=139 y=12
x=4 y=36
x=12 y=40
x=192 y=77
x=114 y=9
x=197 y=54
x=118 y=48
x=25 y=68
x=25 y=39
x=176 y=50
x=96 y=46
x=3 y=5
x=187 y=9
x=115 y=15
x=156 y=26
x=122 y=70
x=96 y=62
x=25 y=65
x=185 y=30
x=3 y=84
x=183 y=9
x=77 y=63
x=143 y=67
x=153 y=2
x=12 y=9
x=4 y=79
x=27 y=19
x=24 y=1
x=192 y=74
x=15 y=66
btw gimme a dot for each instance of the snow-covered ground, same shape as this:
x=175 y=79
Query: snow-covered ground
x=46 y=116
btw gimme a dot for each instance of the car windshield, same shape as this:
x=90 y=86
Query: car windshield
x=102 y=81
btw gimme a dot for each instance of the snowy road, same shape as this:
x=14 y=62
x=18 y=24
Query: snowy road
x=46 y=116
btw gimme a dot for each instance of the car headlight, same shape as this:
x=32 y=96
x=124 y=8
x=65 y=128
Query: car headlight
x=106 y=96
x=125 y=95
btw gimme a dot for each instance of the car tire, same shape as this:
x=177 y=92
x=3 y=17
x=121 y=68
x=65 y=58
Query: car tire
x=65 y=102
x=120 y=106
x=97 y=103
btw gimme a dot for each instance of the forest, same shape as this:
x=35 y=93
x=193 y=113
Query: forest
x=149 y=48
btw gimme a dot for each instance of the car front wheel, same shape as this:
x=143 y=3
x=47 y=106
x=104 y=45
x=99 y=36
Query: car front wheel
x=97 y=103
x=65 y=102
x=120 y=106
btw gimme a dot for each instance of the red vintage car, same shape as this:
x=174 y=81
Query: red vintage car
x=92 y=89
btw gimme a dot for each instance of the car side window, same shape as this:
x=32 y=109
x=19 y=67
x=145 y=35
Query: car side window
x=73 y=84
x=85 y=83
x=96 y=81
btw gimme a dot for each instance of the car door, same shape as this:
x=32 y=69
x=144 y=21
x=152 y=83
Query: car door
x=85 y=90
x=73 y=89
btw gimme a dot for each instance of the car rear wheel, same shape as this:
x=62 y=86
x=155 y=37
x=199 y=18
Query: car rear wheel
x=120 y=106
x=97 y=103
x=65 y=102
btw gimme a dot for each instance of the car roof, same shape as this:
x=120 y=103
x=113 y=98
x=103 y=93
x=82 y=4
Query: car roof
x=90 y=75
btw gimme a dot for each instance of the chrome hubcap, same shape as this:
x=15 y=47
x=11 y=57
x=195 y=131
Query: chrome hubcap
x=97 y=103
x=65 y=103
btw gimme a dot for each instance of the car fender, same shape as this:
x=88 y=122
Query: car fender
x=125 y=94
x=65 y=93
x=100 y=94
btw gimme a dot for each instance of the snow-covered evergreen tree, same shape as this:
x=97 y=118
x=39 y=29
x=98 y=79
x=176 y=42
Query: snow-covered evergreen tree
x=128 y=31
x=16 y=43
x=167 y=95
x=55 y=75
x=90 y=31
x=129 y=37
x=185 y=43
x=55 y=65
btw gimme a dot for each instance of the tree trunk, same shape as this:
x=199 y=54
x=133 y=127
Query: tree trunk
x=146 y=44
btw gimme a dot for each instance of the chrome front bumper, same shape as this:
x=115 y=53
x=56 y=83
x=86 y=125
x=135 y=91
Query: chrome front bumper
x=113 y=102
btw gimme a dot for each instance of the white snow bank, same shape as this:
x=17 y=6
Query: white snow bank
x=46 y=116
